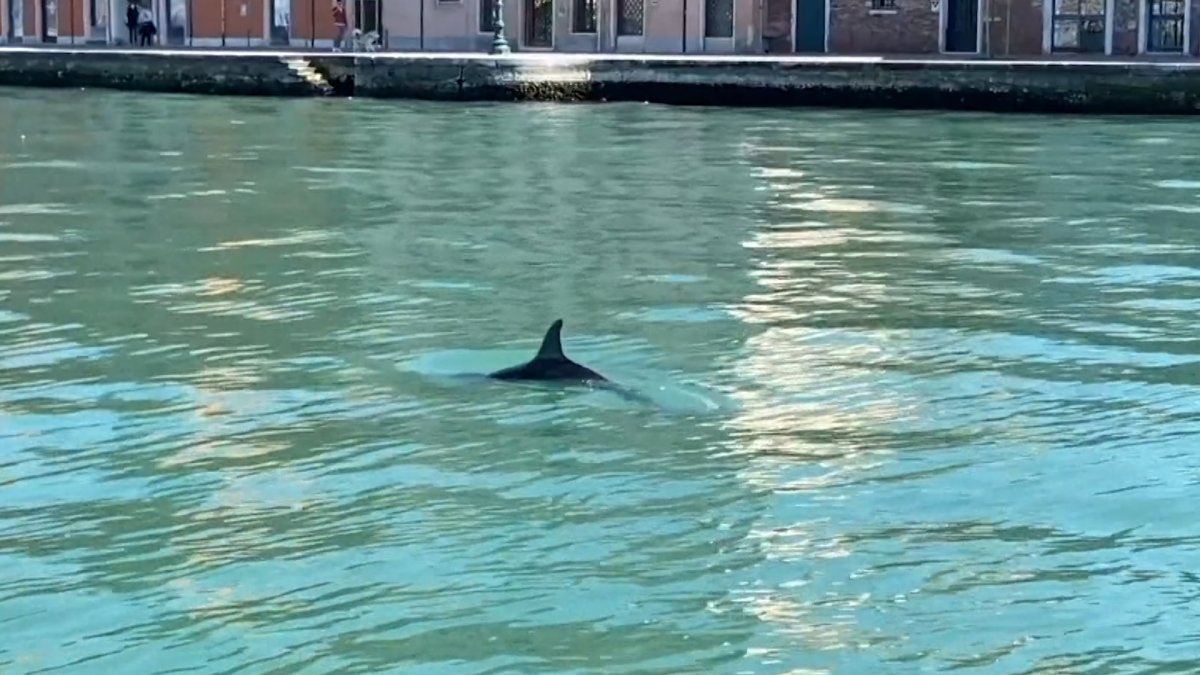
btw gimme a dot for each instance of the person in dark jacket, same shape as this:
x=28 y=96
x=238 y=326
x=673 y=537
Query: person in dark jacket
x=131 y=21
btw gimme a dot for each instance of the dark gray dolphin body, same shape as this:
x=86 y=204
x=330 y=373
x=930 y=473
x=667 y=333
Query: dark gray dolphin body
x=550 y=363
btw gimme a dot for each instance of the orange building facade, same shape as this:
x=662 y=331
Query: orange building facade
x=198 y=23
x=42 y=20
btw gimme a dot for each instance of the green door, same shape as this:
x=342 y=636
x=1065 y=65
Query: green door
x=810 y=26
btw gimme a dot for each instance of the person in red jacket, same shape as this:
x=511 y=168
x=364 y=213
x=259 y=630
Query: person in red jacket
x=339 y=24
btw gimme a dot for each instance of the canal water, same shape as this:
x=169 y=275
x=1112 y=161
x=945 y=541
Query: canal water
x=904 y=392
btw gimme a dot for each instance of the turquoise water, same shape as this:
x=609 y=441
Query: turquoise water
x=918 y=391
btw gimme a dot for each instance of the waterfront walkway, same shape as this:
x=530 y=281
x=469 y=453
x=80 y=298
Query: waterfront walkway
x=1057 y=84
x=1159 y=60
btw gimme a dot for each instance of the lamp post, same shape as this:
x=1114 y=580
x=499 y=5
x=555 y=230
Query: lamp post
x=499 y=44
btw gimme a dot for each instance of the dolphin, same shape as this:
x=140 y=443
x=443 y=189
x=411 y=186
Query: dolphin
x=550 y=363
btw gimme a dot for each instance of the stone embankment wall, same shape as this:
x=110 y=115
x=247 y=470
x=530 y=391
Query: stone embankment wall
x=1021 y=85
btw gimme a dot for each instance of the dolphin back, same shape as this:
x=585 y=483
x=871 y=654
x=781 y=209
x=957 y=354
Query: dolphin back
x=550 y=363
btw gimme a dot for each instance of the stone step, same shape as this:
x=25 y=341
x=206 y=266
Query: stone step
x=304 y=69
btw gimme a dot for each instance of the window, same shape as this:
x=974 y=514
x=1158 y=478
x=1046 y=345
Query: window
x=718 y=18
x=487 y=16
x=366 y=16
x=1079 y=26
x=1164 y=30
x=583 y=19
x=49 y=21
x=630 y=14
x=883 y=5
x=539 y=24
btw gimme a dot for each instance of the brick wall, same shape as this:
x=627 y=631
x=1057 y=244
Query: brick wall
x=304 y=11
x=912 y=28
x=72 y=20
x=206 y=19
x=241 y=18
x=244 y=18
x=33 y=23
x=776 y=26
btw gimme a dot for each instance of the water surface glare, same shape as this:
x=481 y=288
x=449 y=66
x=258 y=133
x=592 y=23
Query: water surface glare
x=921 y=390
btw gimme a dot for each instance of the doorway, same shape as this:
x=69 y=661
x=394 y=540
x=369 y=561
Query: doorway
x=368 y=17
x=16 y=20
x=97 y=21
x=538 y=24
x=962 y=26
x=49 y=20
x=631 y=25
x=1164 y=25
x=281 y=21
x=810 y=26
x=177 y=21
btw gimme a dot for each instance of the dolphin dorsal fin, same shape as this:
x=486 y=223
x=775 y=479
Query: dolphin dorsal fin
x=552 y=344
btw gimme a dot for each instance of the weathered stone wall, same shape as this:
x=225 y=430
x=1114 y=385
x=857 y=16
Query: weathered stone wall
x=1045 y=86
x=1034 y=86
x=185 y=72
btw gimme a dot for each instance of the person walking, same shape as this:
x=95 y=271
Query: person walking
x=339 y=24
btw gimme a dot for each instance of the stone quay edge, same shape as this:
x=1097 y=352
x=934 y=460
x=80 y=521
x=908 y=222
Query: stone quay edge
x=1001 y=85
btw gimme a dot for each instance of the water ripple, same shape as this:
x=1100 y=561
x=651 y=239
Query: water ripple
x=919 y=392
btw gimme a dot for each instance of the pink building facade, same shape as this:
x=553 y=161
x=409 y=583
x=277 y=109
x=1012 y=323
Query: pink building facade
x=658 y=26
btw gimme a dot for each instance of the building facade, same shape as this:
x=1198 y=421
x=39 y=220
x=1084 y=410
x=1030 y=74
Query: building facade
x=196 y=23
x=970 y=27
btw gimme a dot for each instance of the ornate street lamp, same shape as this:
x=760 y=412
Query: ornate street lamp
x=499 y=44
